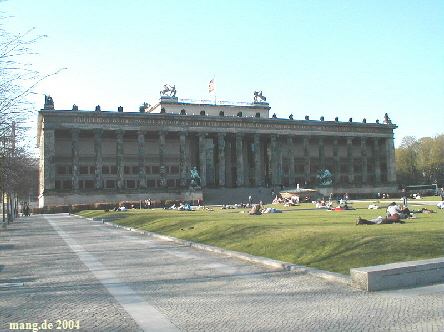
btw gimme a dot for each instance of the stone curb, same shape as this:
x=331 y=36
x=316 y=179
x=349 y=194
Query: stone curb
x=330 y=276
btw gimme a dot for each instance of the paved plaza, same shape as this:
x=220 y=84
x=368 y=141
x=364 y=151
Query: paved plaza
x=83 y=275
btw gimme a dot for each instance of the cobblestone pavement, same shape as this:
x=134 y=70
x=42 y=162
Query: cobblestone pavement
x=81 y=275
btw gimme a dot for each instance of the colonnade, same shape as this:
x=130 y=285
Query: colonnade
x=227 y=159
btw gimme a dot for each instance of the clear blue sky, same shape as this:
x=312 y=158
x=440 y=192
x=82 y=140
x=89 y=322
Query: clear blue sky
x=328 y=58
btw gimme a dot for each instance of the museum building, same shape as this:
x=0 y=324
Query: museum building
x=188 y=149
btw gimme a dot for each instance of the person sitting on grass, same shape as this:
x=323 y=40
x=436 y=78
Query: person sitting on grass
x=256 y=210
x=402 y=212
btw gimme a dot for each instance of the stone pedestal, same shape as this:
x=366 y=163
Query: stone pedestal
x=169 y=100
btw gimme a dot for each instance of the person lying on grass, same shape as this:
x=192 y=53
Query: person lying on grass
x=378 y=221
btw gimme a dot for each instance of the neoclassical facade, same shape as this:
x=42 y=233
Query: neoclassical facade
x=99 y=156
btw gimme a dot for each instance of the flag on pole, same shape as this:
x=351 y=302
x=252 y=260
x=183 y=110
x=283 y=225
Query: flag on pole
x=211 y=86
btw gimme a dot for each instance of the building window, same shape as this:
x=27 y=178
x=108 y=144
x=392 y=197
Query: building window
x=89 y=184
x=83 y=169
x=135 y=169
x=174 y=169
x=67 y=184
x=86 y=184
x=130 y=184
x=202 y=113
x=110 y=184
x=87 y=169
x=151 y=183
x=299 y=168
x=105 y=169
x=155 y=169
x=61 y=170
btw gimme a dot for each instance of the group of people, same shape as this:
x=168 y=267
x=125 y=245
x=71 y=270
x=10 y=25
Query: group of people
x=180 y=207
x=395 y=214
x=320 y=204
x=257 y=209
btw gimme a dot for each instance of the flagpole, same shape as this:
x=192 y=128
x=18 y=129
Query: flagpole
x=215 y=92
x=212 y=88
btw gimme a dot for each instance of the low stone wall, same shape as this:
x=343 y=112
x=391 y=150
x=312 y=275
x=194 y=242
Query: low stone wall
x=54 y=199
x=398 y=275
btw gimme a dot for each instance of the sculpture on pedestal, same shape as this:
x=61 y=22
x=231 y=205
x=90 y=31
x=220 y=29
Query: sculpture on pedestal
x=168 y=91
x=258 y=95
x=49 y=103
x=195 y=178
x=387 y=119
x=325 y=177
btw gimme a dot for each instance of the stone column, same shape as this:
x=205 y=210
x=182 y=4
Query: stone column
x=391 y=161
x=351 y=170
x=322 y=153
x=377 y=159
x=239 y=161
x=120 y=157
x=202 y=160
x=162 y=175
x=291 y=179
x=336 y=166
x=276 y=171
x=98 y=163
x=182 y=159
x=364 y=159
x=306 y=148
x=221 y=150
x=142 y=159
x=49 y=153
x=258 y=179
x=75 y=159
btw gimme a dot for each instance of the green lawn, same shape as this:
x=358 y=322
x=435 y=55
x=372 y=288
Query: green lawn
x=327 y=240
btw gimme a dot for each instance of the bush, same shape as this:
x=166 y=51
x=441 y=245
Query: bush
x=79 y=207
x=104 y=206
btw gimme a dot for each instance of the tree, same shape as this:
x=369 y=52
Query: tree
x=420 y=161
x=430 y=159
x=17 y=81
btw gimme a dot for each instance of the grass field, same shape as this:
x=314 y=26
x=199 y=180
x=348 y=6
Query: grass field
x=327 y=240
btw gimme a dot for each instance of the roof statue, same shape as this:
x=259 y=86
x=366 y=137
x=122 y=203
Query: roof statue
x=387 y=119
x=168 y=91
x=258 y=95
x=49 y=103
